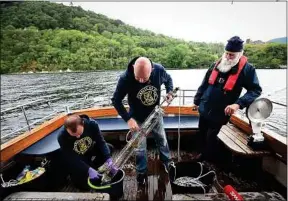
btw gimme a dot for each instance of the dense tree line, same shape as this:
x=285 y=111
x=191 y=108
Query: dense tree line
x=44 y=36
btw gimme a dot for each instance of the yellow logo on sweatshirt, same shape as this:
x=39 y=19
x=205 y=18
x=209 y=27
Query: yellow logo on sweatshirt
x=148 y=95
x=82 y=145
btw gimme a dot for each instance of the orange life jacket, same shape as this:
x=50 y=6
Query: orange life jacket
x=232 y=78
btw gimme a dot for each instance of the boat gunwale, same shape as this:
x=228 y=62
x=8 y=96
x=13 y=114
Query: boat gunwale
x=16 y=145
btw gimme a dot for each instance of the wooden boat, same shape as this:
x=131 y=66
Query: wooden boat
x=254 y=174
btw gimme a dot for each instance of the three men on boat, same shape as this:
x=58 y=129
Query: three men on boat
x=218 y=96
x=81 y=140
x=142 y=83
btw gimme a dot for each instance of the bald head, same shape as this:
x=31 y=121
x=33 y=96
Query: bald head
x=74 y=125
x=142 y=69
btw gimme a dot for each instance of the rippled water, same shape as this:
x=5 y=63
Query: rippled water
x=69 y=88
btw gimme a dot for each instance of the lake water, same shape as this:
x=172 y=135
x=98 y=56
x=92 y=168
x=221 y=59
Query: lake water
x=69 y=88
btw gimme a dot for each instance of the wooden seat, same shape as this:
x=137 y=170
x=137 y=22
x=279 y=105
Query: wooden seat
x=236 y=141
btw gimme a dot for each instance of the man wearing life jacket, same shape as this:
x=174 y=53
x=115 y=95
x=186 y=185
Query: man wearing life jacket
x=218 y=96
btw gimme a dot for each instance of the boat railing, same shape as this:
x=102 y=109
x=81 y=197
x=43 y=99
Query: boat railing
x=80 y=104
x=23 y=108
x=183 y=94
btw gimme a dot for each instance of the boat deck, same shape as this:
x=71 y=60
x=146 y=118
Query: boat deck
x=159 y=187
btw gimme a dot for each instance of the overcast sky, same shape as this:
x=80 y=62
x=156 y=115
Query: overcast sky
x=199 y=21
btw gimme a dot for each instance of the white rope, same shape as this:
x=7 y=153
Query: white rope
x=196 y=180
x=10 y=183
x=201 y=166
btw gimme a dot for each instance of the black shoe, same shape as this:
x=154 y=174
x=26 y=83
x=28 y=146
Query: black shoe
x=142 y=179
x=170 y=168
x=168 y=165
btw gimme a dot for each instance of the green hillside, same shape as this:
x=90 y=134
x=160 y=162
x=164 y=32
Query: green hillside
x=43 y=36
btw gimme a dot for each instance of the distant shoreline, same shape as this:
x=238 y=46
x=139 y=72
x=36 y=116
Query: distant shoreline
x=64 y=72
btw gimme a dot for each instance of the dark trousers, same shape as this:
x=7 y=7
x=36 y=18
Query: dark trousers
x=208 y=132
x=80 y=178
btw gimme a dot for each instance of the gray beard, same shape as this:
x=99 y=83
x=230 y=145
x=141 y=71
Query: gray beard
x=225 y=65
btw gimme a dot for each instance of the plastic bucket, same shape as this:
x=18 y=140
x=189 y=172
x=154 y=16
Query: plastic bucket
x=191 y=169
x=114 y=189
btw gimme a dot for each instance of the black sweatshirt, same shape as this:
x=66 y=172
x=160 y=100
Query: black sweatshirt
x=78 y=151
x=142 y=97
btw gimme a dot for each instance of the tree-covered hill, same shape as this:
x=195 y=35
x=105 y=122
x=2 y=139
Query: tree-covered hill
x=43 y=36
